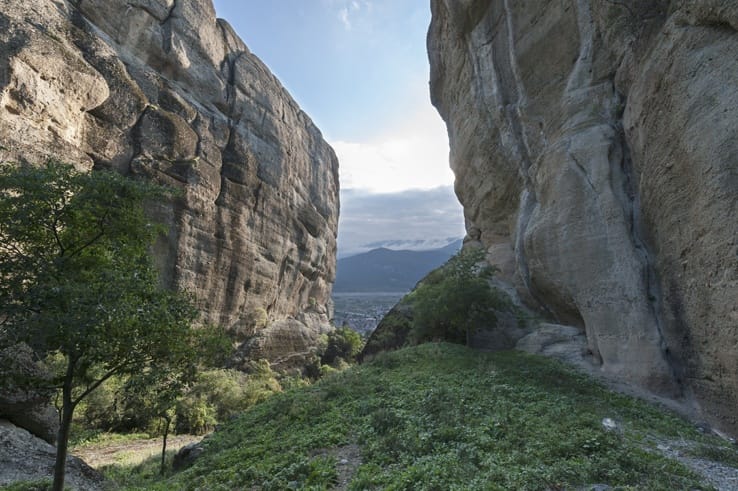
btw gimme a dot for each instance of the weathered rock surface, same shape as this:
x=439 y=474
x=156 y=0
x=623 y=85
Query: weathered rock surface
x=566 y=343
x=187 y=455
x=595 y=147
x=29 y=409
x=161 y=89
x=24 y=457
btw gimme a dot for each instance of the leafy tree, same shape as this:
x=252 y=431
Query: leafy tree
x=154 y=394
x=343 y=344
x=455 y=299
x=77 y=281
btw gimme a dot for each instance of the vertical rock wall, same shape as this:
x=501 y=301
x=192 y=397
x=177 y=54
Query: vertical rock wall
x=595 y=147
x=161 y=89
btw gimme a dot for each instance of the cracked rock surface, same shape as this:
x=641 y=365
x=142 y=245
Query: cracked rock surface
x=164 y=90
x=595 y=148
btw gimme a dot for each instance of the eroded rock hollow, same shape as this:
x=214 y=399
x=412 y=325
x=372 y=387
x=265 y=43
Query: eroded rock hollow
x=161 y=89
x=595 y=148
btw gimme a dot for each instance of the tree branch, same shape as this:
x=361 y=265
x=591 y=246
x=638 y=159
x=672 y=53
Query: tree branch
x=98 y=236
x=100 y=381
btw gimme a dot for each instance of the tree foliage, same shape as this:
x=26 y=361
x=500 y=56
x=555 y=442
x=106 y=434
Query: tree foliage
x=343 y=344
x=77 y=282
x=454 y=300
x=219 y=394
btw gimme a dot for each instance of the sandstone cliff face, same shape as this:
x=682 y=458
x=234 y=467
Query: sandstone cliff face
x=160 y=88
x=595 y=147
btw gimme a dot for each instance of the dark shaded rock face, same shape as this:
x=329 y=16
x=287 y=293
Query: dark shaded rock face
x=28 y=408
x=595 y=147
x=161 y=89
x=187 y=455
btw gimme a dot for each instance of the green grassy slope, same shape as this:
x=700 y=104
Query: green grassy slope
x=442 y=417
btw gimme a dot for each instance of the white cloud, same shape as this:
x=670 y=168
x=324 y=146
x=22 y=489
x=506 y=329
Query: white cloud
x=343 y=14
x=411 y=215
x=412 y=155
x=398 y=185
x=349 y=10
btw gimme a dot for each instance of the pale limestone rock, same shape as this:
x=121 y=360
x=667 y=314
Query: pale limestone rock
x=566 y=343
x=161 y=89
x=595 y=151
x=24 y=457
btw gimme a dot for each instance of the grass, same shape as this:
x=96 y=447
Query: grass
x=440 y=417
x=134 y=474
x=93 y=438
x=39 y=485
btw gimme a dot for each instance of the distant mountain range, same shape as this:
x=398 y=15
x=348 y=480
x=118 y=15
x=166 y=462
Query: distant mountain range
x=424 y=245
x=388 y=270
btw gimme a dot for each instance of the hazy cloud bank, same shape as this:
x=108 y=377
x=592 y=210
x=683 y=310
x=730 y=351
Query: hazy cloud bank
x=371 y=218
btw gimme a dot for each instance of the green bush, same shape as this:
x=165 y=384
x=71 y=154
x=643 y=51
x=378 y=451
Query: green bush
x=215 y=396
x=111 y=408
x=343 y=344
x=455 y=299
x=194 y=415
x=219 y=394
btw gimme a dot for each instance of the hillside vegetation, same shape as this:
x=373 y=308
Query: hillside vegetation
x=441 y=417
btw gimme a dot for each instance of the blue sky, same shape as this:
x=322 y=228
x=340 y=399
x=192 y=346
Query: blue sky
x=352 y=65
x=359 y=69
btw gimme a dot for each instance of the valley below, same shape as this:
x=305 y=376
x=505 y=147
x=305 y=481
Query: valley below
x=362 y=311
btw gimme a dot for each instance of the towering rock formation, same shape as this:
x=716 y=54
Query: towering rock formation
x=595 y=147
x=160 y=88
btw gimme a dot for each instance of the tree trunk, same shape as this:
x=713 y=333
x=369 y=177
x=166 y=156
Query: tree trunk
x=167 y=422
x=65 y=425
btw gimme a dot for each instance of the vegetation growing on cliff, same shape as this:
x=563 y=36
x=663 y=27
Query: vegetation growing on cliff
x=441 y=416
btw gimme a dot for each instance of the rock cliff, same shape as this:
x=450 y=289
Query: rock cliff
x=163 y=90
x=595 y=148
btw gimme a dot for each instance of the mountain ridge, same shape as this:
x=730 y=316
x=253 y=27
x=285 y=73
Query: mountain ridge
x=388 y=270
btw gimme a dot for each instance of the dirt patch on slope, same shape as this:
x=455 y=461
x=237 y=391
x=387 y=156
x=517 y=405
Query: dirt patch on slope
x=129 y=452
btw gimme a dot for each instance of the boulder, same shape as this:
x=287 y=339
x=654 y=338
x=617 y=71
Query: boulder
x=24 y=457
x=566 y=343
x=187 y=455
x=21 y=401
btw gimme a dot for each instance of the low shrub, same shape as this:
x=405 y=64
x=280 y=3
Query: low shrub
x=219 y=394
x=343 y=345
x=456 y=299
x=215 y=396
x=440 y=416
